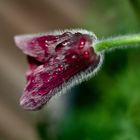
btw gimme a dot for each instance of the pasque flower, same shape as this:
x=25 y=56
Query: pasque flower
x=57 y=61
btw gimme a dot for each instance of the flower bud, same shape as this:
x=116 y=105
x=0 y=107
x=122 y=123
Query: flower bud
x=57 y=62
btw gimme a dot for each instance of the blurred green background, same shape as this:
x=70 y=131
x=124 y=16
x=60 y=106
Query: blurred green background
x=107 y=107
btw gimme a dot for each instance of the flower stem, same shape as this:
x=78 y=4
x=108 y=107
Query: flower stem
x=117 y=42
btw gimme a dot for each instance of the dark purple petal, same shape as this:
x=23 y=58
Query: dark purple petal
x=40 y=46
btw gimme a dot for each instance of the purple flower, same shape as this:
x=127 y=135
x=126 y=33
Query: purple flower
x=57 y=61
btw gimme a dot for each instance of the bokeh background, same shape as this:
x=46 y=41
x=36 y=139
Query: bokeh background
x=107 y=107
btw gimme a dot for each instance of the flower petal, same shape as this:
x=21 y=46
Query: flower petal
x=40 y=46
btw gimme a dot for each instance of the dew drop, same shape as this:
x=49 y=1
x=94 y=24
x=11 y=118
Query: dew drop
x=55 y=74
x=71 y=58
x=65 y=43
x=46 y=45
x=60 y=68
x=82 y=43
x=74 y=56
x=86 y=54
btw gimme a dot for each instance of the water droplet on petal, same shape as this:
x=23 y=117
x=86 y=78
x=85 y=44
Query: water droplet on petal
x=82 y=43
x=86 y=54
x=65 y=43
x=60 y=68
x=55 y=74
x=74 y=56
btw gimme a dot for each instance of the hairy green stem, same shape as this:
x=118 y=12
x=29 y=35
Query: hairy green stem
x=116 y=42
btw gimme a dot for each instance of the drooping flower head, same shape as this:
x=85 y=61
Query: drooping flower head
x=57 y=61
